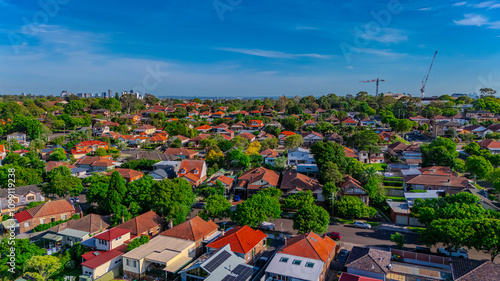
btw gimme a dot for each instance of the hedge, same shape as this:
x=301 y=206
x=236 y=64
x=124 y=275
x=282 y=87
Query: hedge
x=393 y=183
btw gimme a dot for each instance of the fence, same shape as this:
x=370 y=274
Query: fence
x=422 y=259
x=112 y=274
x=395 y=192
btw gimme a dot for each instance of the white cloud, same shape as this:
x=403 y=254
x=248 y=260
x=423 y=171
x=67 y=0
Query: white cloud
x=387 y=35
x=350 y=67
x=425 y=9
x=306 y=28
x=458 y=4
x=379 y=52
x=472 y=19
x=494 y=25
x=272 y=54
x=484 y=4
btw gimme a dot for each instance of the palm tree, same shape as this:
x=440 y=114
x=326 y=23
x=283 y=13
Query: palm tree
x=369 y=174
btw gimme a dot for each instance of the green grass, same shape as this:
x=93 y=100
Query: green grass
x=478 y=186
x=398 y=138
x=380 y=167
x=417 y=229
x=396 y=199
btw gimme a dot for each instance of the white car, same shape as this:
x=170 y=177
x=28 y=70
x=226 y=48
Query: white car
x=460 y=253
x=361 y=224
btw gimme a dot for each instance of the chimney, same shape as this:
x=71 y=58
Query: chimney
x=170 y=224
x=285 y=240
x=123 y=219
x=229 y=267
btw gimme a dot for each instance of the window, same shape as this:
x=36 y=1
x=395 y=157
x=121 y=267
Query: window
x=26 y=224
x=296 y=262
x=42 y=221
x=30 y=197
x=309 y=264
x=128 y=262
x=63 y=217
x=134 y=263
x=283 y=259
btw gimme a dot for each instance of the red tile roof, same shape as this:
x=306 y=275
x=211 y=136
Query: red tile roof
x=259 y=123
x=287 y=133
x=192 y=230
x=310 y=245
x=47 y=209
x=226 y=180
x=22 y=216
x=126 y=173
x=204 y=127
x=142 y=223
x=111 y=234
x=257 y=174
x=105 y=257
x=489 y=144
x=54 y=164
x=90 y=143
x=242 y=239
x=180 y=151
x=247 y=136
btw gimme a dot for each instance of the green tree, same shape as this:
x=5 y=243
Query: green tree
x=23 y=251
x=472 y=149
x=478 y=166
x=279 y=163
x=137 y=242
x=399 y=239
x=440 y=152
x=293 y=141
x=290 y=123
x=173 y=199
x=329 y=152
x=43 y=265
x=351 y=207
x=362 y=139
x=486 y=236
x=257 y=209
x=216 y=206
x=58 y=154
x=177 y=143
x=329 y=192
x=100 y=152
x=311 y=218
x=61 y=182
x=453 y=233
x=330 y=173
x=299 y=200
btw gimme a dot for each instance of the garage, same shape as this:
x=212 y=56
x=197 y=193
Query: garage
x=403 y=220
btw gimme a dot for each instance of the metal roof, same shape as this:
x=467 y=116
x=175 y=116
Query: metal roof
x=291 y=269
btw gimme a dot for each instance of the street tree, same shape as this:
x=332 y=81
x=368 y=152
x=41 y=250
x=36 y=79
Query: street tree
x=43 y=265
x=399 y=239
x=293 y=141
x=62 y=183
x=311 y=218
x=478 y=166
x=216 y=207
x=299 y=200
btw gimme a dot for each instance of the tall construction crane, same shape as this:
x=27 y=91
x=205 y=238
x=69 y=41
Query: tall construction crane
x=424 y=81
x=374 y=80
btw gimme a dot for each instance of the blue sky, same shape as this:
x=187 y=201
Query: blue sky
x=248 y=48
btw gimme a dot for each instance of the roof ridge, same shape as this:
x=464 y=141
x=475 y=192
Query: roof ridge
x=474 y=269
x=314 y=248
x=375 y=260
x=191 y=228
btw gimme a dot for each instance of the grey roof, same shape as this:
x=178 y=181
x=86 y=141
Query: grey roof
x=159 y=174
x=472 y=270
x=77 y=170
x=399 y=207
x=73 y=233
x=279 y=266
x=368 y=259
x=150 y=155
x=20 y=190
x=409 y=172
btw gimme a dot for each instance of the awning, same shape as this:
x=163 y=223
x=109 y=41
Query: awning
x=53 y=237
x=8 y=223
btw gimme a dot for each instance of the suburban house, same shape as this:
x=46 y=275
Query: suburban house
x=160 y=258
x=96 y=163
x=304 y=257
x=412 y=156
x=491 y=145
x=248 y=136
x=310 y=123
x=197 y=230
x=108 y=254
x=134 y=118
x=435 y=182
x=194 y=171
x=256 y=124
x=195 y=142
x=159 y=138
x=222 y=264
x=269 y=156
x=54 y=164
x=303 y=159
x=218 y=114
x=366 y=157
x=3 y=153
x=400 y=211
x=294 y=182
x=146 y=224
x=238 y=126
x=19 y=137
x=480 y=115
x=19 y=197
x=311 y=137
x=227 y=182
x=442 y=127
x=103 y=111
x=386 y=136
x=420 y=120
x=99 y=129
x=181 y=153
x=146 y=129
x=184 y=140
x=204 y=128
x=352 y=187
x=45 y=213
x=368 y=262
x=283 y=135
x=353 y=277
x=128 y=174
x=91 y=146
x=82 y=229
x=349 y=122
x=477 y=130
x=472 y=270
x=252 y=181
x=245 y=242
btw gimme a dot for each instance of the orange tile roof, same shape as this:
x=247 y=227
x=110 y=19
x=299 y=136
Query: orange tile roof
x=242 y=239
x=287 y=133
x=142 y=223
x=51 y=208
x=192 y=230
x=126 y=173
x=310 y=245
x=489 y=143
x=180 y=151
x=204 y=127
x=224 y=179
x=90 y=143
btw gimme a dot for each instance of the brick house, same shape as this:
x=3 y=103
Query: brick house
x=195 y=229
x=194 y=171
x=21 y=196
x=245 y=242
x=128 y=174
x=146 y=224
x=47 y=212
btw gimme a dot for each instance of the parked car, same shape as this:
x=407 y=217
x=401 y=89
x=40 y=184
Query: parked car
x=460 y=253
x=361 y=224
x=199 y=205
x=342 y=255
x=267 y=225
x=334 y=235
x=286 y=215
x=236 y=198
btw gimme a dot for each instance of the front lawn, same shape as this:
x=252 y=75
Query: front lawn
x=380 y=167
x=417 y=229
x=396 y=199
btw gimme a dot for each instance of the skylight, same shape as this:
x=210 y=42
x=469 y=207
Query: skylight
x=296 y=262
x=283 y=259
x=309 y=264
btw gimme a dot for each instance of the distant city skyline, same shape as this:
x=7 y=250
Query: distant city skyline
x=246 y=48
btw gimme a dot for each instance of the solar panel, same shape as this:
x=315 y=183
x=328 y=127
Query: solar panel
x=244 y=272
x=217 y=261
